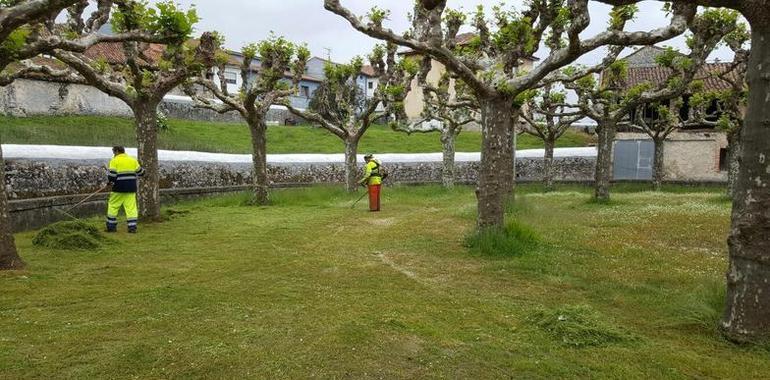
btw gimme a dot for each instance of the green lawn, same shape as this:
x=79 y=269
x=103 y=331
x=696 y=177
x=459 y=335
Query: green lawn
x=310 y=288
x=232 y=137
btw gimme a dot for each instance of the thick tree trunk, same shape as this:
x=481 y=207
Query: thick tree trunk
x=550 y=143
x=733 y=161
x=260 y=182
x=747 y=316
x=9 y=257
x=603 y=176
x=351 y=163
x=147 y=139
x=657 y=165
x=496 y=160
x=448 y=137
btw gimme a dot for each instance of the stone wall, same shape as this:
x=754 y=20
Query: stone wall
x=47 y=178
x=43 y=190
x=43 y=98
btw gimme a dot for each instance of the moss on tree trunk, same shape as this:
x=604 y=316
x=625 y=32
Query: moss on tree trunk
x=603 y=175
x=145 y=115
x=351 y=165
x=496 y=161
x=260 y=182
x=9 y=257
x=658 y=171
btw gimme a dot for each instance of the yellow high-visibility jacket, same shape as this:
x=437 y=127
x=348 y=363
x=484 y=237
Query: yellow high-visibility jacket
x=124 y=171
x=372 y=174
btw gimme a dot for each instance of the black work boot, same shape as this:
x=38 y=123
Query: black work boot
x=112 y=228
x=132 y=229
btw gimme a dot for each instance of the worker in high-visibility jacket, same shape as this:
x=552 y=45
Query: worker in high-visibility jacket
x=124 y=172
x=373 y=181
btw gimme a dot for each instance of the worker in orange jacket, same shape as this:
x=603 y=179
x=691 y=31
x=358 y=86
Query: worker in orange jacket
x=373 y=175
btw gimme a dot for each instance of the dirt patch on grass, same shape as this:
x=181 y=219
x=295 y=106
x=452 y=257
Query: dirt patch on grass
x=382 y=222
x=70 y=235
x=387 y=261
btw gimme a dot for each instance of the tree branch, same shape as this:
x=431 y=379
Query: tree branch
x=438 y=52
x=313 y=116
x=93 y=77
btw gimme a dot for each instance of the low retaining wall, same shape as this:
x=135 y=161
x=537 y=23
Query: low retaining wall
x=42 y=178
x=40 y=189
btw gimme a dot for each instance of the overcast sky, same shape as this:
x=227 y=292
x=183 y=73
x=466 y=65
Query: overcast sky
x=243 y=21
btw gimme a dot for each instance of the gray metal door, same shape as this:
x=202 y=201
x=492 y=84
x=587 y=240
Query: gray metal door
x=633 y=159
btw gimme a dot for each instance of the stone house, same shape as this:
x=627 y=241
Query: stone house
x=695 y=153
x=689 y=156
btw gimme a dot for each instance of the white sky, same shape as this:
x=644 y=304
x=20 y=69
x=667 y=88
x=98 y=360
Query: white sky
x=244 y=21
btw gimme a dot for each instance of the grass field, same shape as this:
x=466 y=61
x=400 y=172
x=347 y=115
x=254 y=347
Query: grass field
x=234 y=138
x=310 y=288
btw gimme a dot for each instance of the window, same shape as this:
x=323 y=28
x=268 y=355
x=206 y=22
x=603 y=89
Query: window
x=371 y=85
x=304 y=91
x=724 y=162
x=231 y=78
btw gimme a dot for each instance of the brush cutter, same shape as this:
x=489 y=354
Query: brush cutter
x=88 y=197
x=359 y=199
x=68 y=211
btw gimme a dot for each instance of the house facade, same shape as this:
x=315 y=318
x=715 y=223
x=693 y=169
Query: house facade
x=313 y=77
x=691 y=156
x=696 y=153
x=414 y=101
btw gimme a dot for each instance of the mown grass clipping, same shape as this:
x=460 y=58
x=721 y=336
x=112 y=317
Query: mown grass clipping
x=515 y=239
x=578 y=327
x=70 y=235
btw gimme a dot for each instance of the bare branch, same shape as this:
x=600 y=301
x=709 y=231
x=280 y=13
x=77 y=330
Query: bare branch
x=94 y=77
x=557 y=59
x=323 y=122
x=440 y=53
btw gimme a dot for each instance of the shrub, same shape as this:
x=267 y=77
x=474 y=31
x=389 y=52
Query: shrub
x=70 y=235
x=578 y=327
x=514 y=239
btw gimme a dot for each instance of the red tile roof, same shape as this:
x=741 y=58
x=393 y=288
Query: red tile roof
x=368 y=70
x=464 y=38
x=114 y=54
x=657 y=75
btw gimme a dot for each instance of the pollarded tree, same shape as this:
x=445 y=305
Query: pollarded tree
x=665 y=120
x=548 y=117
x=748 y=291
x=260 y=90
x=148 y=73
x=447 y=108
x=29 y=28
x=492 y=65
x=609 y=103
x=340 y=106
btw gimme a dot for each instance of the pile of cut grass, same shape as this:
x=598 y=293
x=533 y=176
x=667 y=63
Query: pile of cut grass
x=70 y=235
x=578 y=327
